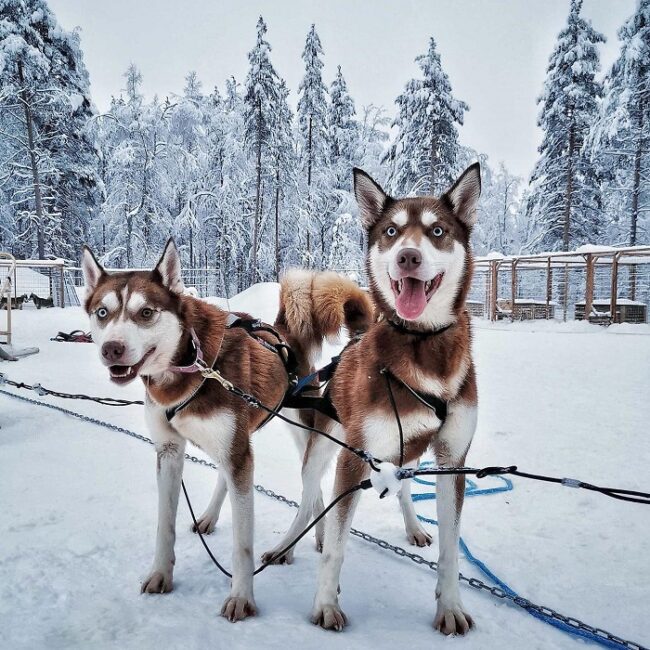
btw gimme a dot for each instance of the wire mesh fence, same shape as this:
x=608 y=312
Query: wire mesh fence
x=38 y=284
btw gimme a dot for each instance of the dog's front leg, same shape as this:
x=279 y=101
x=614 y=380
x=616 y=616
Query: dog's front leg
x=326 y=611
x=451 y=446
x=415 y=533
x=170 y=450
x=238 y=472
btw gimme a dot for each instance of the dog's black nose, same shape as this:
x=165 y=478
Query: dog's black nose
x=113 y=350
x=409 y=259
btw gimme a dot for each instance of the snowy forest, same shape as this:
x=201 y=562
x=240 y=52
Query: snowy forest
x=248 y=185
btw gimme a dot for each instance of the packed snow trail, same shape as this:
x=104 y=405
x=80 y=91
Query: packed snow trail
x=79 y=513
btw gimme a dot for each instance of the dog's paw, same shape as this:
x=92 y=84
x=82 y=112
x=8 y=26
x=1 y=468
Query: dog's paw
x=329 y=617
x=237 y=609
x=157 y=583
x=205 y=524
x=452 y=620
x=269 y=557
x=417 y=536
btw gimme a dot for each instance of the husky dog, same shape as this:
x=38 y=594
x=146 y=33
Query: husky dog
x=419 y=265
x=146 y=326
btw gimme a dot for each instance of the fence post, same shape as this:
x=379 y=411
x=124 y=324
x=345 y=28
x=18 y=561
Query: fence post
x=494 y=279
x=513 y=288
x=589 y=288
x=62 y=286
x=614 y=289
x=549 y=287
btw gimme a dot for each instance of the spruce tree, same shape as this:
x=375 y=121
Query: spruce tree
x=564 y=196
x=342 y=130
x=423 y=155
x=260 y=101
x=621 y=137
x=312 y=123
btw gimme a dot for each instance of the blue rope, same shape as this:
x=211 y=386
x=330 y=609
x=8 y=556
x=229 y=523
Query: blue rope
x=471 y=490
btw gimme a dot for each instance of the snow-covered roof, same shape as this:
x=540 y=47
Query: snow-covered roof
x=602 y=255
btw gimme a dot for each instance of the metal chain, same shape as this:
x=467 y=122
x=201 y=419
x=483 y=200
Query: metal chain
x=475 y=583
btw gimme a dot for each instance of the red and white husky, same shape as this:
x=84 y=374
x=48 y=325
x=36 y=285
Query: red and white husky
x=419 y=265
x=146 y=326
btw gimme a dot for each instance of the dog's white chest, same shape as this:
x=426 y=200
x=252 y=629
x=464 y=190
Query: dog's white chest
x=213 y=434
x=381 y=432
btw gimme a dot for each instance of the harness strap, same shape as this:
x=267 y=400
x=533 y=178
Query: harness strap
x=250 y=326
x=197 y=364
x=322 y=403
x=439 y=406
x=402 y=329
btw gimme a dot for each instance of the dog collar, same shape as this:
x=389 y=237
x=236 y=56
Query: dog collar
x=421 y=333
x=197 y=365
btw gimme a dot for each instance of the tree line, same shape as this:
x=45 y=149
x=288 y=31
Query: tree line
x=248 y=186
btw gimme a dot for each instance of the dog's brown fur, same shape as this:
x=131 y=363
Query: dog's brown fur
x=440 y=364
x=242 y=360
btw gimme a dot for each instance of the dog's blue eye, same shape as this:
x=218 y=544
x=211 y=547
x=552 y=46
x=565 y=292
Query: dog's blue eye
x=438 y=231
x=147 y=312
x=391 y=231
x=102 y=313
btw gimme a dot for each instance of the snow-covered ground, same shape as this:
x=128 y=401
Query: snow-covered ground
x=78 y=513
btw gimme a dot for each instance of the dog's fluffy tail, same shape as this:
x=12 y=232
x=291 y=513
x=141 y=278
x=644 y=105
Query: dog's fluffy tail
x=315 y=305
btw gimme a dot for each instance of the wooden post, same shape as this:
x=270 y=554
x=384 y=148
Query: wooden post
x=589 y=286
x=549 y=287
x=614 y=288
x=513 y=288
x=494 y=275
x=62 y=287
x=565 y=294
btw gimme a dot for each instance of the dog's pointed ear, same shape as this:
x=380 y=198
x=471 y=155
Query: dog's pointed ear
x=92 y=270
x=169 y=268
x=370 y=197
x=464 y=194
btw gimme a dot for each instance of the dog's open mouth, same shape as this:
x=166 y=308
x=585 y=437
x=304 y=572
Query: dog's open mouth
x=125 y=374
x=412 y=295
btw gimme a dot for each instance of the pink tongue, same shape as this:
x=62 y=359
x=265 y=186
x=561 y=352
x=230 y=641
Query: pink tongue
x=412 y=299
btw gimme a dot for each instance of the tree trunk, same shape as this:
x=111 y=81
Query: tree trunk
x=566 y=226
x=432 y=166
x=258 y=192
x=636 y=182
x=277 y=223
x=38 y=200
x=309 y=207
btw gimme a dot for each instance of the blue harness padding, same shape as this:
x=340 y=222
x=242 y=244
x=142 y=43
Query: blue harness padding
x=471 y=490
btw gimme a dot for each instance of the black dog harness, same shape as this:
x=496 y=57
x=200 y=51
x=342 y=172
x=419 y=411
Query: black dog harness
x=297 y=395
x=252 y=327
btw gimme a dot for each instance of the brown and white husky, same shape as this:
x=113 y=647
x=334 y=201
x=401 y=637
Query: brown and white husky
x=419 y=266
x=146 y=326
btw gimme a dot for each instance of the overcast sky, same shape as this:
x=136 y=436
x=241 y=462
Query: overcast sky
x=495 y=51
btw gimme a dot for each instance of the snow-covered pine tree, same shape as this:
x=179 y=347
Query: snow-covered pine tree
x=48 y=165
x=620 y=139
x=284 y=166
x=312 y=112
x=140 y=206
x=564 y=186
x=423 y=155
x=259 y=101
x=342 y=130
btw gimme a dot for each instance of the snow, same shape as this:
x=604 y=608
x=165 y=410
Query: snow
x=79 y=508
